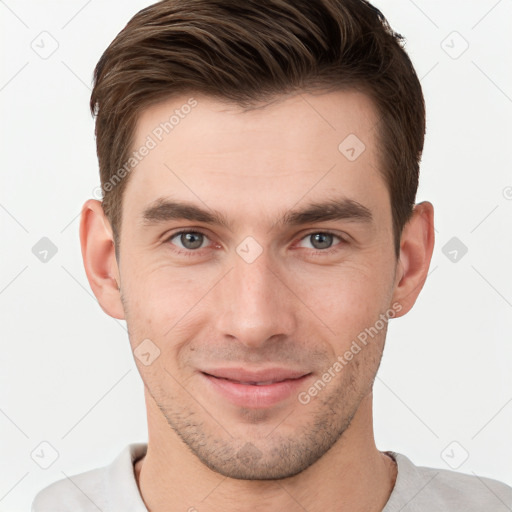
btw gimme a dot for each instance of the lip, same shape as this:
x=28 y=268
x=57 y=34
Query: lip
x=254 y=389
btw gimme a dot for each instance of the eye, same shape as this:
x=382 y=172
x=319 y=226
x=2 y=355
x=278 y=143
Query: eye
x=322 y=240
x=189 y=240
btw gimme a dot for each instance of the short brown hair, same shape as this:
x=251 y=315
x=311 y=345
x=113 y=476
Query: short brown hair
x=249 y=51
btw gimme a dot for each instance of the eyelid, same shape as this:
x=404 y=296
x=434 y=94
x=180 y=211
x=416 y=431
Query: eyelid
x=179 y=250
x=182 y=231
x=342 y=237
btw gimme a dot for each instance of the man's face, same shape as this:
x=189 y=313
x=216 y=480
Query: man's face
x=250 y=313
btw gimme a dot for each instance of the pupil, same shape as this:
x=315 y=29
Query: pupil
x=187 y=239
x=323 y=239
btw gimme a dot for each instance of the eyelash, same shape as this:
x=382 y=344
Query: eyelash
x=315 y=252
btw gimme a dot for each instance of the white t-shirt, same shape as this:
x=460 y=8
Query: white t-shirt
x=417 y=489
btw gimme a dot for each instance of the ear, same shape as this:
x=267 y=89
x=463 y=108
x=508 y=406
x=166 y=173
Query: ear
x=416 y=247
x=99 y=258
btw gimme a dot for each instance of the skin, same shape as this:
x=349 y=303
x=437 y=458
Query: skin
x=294 y=306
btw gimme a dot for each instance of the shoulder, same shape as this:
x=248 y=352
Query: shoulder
x=469 y=492
x=78 y=493
x=420 y=488
x=112 y=487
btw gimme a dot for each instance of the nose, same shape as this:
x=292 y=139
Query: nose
x=256 y=304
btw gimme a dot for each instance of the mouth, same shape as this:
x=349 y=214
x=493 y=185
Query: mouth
x=254 y=389
x=254 y=383
x=267 y=383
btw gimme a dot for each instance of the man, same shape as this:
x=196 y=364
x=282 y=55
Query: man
x=259 y=165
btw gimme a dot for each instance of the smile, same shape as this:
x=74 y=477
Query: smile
x=258 y=389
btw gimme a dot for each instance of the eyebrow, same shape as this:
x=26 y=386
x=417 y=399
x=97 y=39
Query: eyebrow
x=332 y=209
x=163 y=210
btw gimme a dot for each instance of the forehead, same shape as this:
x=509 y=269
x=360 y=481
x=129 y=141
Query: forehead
x=255 y=162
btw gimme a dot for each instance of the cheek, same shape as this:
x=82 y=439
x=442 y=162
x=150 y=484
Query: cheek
x=156 y=289
x=348 y=300
x=161 y=302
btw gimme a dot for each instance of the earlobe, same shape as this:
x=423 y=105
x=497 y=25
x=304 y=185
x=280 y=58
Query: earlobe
x=416 y=248
x=98 y=253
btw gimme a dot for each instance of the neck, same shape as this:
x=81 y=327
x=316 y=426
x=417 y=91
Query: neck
x=352 y=476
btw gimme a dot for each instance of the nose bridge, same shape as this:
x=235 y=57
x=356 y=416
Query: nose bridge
x=255 y=303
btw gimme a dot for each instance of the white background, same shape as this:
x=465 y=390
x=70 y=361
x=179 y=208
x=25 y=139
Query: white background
x=67 y=373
